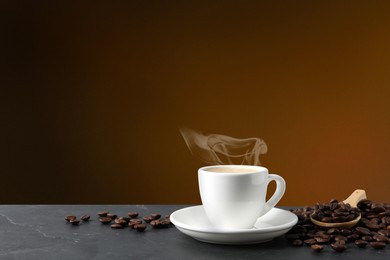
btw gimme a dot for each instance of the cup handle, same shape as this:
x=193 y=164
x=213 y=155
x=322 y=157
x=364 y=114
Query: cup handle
x=279 y=192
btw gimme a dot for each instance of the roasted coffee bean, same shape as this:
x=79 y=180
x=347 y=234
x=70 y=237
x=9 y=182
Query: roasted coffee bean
x=338 y=213
x=85 y=217
x=341 y=242
x=155 y=216
x=69 y=217
x=321 y=240
x=333 y=231
x=384 y=232
x=377 y=207
x=322 y=234
x=328 y=212
x=367 y=238
x=105 y=220
x=127 y=219
x=102 y=213
x=374 y=221
x=117 y=226
x=297 y=242
x=112 y=216
x=364 y=204
x=361 y=243
x=310 y=241
x=132 y=214
x=309 y=235
x=338 y=247
x=346 y=232
x=364 y=221
x=378 y=245
x=340 y=237
x=333 y=206
x=134 y=222
x=166 y=221
x=339 y=219
x=388 y=227
x=147 y=219
x=155 y=223
x=363 y=231
x=353 y=237
x=317 y=248
x=120 y=221
x=160 y=223
x=327 y=219
x=371 y=215
x=384 y=214
x=74 y=222
x=140 y=227
x=373 y=226
x=381 y=238
x=167 y=216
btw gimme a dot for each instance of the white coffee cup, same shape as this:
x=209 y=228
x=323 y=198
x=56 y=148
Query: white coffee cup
x=233 y=196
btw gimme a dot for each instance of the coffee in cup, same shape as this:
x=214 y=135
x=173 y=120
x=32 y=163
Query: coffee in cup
x=233 y=196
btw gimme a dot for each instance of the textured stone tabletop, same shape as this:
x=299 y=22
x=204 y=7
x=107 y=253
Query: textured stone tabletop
x=40 y=232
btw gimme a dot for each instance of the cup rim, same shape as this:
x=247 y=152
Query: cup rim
x=259 y=168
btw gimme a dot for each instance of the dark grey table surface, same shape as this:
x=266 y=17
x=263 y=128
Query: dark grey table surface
x=40 y=232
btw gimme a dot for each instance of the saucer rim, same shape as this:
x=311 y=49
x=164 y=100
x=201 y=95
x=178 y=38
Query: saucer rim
x=214 y=230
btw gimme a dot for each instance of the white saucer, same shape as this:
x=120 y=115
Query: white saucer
x=193 y=222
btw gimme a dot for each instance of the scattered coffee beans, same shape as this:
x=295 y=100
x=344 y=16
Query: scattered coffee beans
x=361 y=243
x=112 y=216
x=116 y=225
x=147 y=219
x=69 y=217
x=378 y=245
x=132 y=214
x=338 y=247
x=373 y=227
x=74 y=222
x=85 y=217
x=140 y=227
x=127 y=219
x=317 y=248
x=121 y=222
x=131 y=221
x=102 y=213
x=160 y=223
x=134 y=222
x=105 y=220
x=155 y=216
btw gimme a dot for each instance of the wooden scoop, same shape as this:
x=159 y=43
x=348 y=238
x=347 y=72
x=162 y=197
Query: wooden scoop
x=353 y=200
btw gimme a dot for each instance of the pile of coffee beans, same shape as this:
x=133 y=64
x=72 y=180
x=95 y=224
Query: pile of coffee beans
x=335 y=212
x=373 y=228
x=131 y=220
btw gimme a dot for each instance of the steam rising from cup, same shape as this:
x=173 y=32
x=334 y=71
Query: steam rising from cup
x=221 y=149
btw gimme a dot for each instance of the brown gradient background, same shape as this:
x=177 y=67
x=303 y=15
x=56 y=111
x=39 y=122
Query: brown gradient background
x=92 y=96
